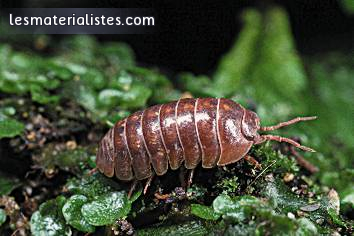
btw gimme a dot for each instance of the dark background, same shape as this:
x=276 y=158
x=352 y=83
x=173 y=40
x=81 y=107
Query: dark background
x=193 y=36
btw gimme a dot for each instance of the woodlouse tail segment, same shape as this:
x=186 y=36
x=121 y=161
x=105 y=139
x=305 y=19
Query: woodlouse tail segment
x=266 y=137
x=287 y=123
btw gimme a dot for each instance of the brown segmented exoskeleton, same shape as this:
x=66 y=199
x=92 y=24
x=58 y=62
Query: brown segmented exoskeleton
x=215 y=132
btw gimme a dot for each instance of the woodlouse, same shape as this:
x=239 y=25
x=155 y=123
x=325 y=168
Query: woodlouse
x=215 y=132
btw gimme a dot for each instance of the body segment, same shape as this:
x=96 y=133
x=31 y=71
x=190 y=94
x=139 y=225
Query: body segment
x=153 y=139
x=205 y=118
x=187 y=133
x=135 y=142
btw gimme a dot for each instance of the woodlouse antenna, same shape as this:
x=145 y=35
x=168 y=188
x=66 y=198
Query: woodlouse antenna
x=266 y=137
x=287 y=140
x=287 y=123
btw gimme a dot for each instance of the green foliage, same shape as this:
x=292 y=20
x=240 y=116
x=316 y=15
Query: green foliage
x=333 y=101
x=332 y=78
x=48 y=220
x=234 y=66
x=192 y=228
x=106 y=209
x=229 y=184
x=102 y=78
x=280 y=163
x=286 y=201
x=340 y=179
x=95 y=202
x=91 y=186
x=263 y=66
x=204 y=212
x=335 y=217
x=73 y=216
x=236 y=210
x=279 y=74
x=9 y=127
x=2 y=216
x=347 y=201
x=348 y=6
x=259 y=214
x=65 y=159
x=7 y=184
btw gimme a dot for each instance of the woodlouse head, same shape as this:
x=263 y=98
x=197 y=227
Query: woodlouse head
x=250 y=125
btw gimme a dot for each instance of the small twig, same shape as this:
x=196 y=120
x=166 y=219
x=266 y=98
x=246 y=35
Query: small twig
x=260 y=174
x=15 y=232
x=303 y=162
x=252 y=161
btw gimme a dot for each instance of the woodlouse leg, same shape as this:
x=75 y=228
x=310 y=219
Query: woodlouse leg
x=252 y=161
x=132 y=188
x=92 y=171
x=266 y=137
x=148 y=183
x=190 y=178
x=182 y=177
x=286 y=123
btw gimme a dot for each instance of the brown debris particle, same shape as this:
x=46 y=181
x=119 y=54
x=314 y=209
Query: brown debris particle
x=71 y=145
x=288 y=177
x=311 y=207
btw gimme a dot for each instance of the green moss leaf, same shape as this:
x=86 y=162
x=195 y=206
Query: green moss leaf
x=110 y=97
x=95 y=78
x=72 y=213
x=65 y=159
x=56 y=70
x=21 y=60
x=135 y=196
x=194 y=84
x=135 y=97
x=7 y=184
x=91 y=186
x=158 y=83
x=348 y=6
x=204 y=212
x=238 y=208
x=336 y=219
x=10 y=128
x=119 y=54
x=235 y=65
x=306 y=227
x=106 y=209
x=2 y=216
x=279 y=72
x=42 y=96
x=49 y=220
x=348 y=199
x=193 y=228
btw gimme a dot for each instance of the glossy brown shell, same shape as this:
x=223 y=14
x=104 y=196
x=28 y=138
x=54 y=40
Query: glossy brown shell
x=206 y=130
